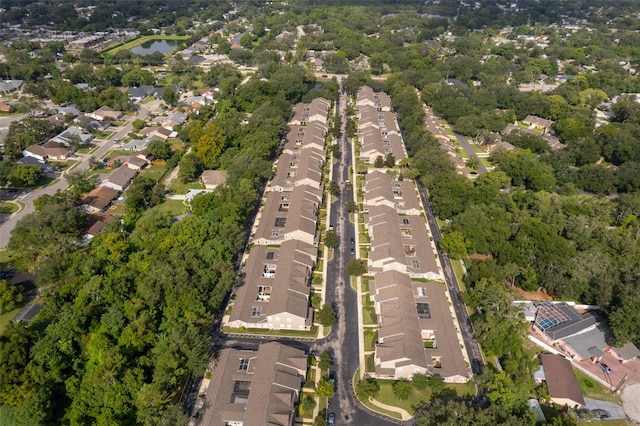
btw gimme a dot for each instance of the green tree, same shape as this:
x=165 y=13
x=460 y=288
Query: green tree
x=138 y=77
x=160 y=150
x=190 y=168
x=331 y=239
x=326 y=316
x=209 y=145
x=368 y=388
x=389 y=160
x=357 y=267
x=334 y=188
x=379 y=162
x=81 y=181
x=325 y=361
x=170 y=96
x=324 y=389
x=308 y=403
x=10 y=296
x=402 y=389
x=352 y=206
x=25 y=175
x=420 y=381
x=455 y=244
x=139 y=124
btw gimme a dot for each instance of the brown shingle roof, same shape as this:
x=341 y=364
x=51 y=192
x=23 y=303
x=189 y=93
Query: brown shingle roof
x=100 y=197
x=262 y=393
x=560 y=378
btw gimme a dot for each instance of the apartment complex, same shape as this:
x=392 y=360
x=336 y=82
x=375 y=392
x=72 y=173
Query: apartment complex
x=255 y=387
x=378 y=131
x=417 y=331
x=277 y=268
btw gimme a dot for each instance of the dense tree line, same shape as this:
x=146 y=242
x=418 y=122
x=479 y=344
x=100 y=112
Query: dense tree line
x=127 y=318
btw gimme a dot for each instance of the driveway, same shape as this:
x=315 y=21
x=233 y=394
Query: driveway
x=631 y=401
x=614 y=409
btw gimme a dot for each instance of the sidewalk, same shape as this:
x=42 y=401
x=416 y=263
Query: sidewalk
x=405 y=415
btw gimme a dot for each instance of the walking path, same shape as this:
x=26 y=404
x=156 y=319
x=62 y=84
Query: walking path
x=405 y=415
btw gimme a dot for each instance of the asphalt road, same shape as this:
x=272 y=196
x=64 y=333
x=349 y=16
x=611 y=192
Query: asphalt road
x=464 y=143
x=28 y=198
x=342 y=343
x=466 y=328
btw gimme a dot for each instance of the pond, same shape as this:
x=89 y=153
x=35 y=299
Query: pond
x=152 y=46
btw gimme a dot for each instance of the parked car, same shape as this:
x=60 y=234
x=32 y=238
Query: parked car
x=604 y=366
x=353 y=242
x=332 y=378
x=600 y=413
x=7 y=273
x=331 y=420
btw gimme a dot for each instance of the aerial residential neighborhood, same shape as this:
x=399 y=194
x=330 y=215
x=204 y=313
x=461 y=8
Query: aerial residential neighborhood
x=319 y=213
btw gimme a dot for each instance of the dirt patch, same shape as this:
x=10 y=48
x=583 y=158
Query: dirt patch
x=531 y=295
x=631 y=402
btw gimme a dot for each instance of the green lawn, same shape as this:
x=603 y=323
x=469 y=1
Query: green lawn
x=86 y=149
x=173 y=207
x=370 y=339
x=365 y=284
x=368 y=312
x=5 y=257
x=369 y=361
x=8 y=208
x=177 y=187
x=418 y=398
x=592 y=389
x=457 y=269
x=7 y=317
x=101 y=134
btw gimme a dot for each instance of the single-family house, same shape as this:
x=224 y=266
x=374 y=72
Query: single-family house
x=8 y=86
x=137 y=94
x=276 y=288
x=36 y=162
x=211 y=179
x=65 y=138
x=105 y=113
x=255 y=387
x=99 y=199
x=535 y=122
x=48 y=151
x=582 y=335
x=136 y=163
x=562 y=383
x=120 y=178
x=96 y=224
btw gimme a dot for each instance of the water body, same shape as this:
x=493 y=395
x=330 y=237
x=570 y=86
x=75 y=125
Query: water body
x=152 y=46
